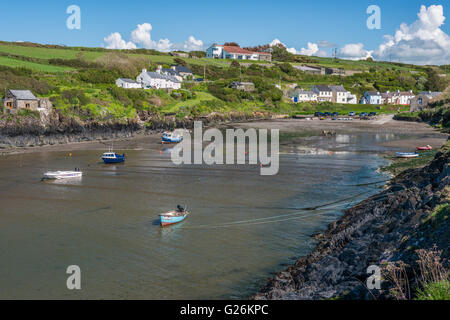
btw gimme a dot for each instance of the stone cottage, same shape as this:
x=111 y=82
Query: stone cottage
x=421 y=101
x=16 y=100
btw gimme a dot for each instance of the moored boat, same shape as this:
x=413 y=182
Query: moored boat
x=112 y=157
x=57 y=175
x=406 y=155
x=426 y=148
x=173 y=217
x=171 y=137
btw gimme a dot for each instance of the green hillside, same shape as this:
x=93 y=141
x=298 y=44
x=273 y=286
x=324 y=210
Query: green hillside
x=81 y=81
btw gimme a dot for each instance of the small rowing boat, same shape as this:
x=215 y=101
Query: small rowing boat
x=406 y=155
x=58 y=175
x=173 y=217
x=427 y=148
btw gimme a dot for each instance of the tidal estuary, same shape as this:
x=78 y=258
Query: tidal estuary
x=242 y=227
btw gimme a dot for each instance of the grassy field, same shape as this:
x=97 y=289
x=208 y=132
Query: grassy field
x=73 y=53
x=15 y=63
x=47 y=53
x=361 y=65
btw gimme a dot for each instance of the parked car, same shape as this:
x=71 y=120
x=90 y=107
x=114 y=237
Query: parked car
x=363 y=114
x=199 y=80
x=327 y=114
x=352 y=114
x=335 y=114
x=372 y=114
x=318 y=114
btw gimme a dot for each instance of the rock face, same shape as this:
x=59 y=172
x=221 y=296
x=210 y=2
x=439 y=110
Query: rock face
x=58 y=129
x=386 y=227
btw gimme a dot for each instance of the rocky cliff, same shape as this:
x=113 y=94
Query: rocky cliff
x=388 y=227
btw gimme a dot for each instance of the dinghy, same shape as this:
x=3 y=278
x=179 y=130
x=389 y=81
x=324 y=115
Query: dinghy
x=57 y=175
x=407 y=155
x=173 y=217
x=427 y=148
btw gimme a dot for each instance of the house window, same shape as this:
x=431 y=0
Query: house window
x=27 y=105
x=420 y=101
x=9 y=105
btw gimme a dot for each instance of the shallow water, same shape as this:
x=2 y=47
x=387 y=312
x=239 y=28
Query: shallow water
x=242 y=227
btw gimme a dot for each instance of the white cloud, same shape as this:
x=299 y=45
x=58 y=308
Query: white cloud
x=115 y=41
x=141 y=37
x=193 y=44
x=313 y=49
x=354 y=51
x=422 y=42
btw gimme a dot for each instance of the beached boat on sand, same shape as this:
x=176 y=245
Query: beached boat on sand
x=426 y=148
x=406 y=155
x=57 y=175
x=171 y=137
x=173 y=217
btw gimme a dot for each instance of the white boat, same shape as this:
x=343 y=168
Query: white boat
x=57 y=175
x=407 y=155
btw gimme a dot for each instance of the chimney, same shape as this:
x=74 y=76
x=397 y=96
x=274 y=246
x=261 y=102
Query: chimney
x=159 y=69
x=144 y=70
x=174 y=68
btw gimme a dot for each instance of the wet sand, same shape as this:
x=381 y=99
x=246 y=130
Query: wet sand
x=411 y=134
x=418 y=134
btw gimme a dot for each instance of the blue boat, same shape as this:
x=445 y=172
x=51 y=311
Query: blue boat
x=112 y=157
x=173 y=217
x=171 y=137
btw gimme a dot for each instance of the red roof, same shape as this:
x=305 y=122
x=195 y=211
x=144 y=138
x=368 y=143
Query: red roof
x=234 y=49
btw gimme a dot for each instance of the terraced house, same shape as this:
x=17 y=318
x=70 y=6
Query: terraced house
x=324 y=93
x=157 y=80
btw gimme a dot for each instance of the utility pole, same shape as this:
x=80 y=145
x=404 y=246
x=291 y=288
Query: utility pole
x=204 y=71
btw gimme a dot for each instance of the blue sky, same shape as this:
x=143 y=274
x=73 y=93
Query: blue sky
x=249 y=22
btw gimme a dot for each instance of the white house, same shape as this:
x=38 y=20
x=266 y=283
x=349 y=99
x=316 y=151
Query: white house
x=402 y=98
x=339 y=94
x=158 y=81
x=299 y=95
x=351 y=98
x=128 y=84
x=235 y=52
x=169 y=72
x=324 y=93
x=371 y=97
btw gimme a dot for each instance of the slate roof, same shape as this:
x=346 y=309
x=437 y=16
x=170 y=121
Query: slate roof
x=338 y=88
x=128 y=80
x=322 y=88
x=182 y=69
x=23 y=94
x=170 y=72
x=156 y=75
